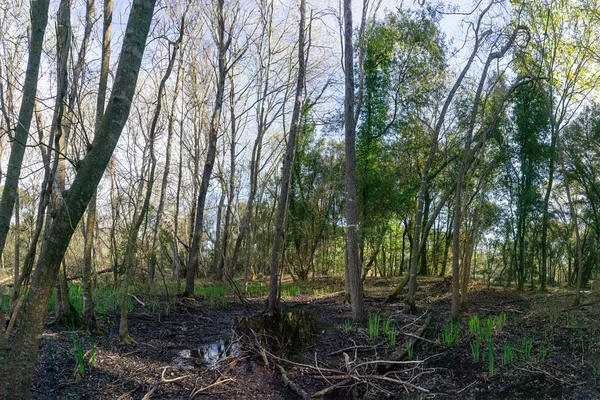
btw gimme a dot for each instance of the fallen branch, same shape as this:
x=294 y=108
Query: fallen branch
x=378 y=378
x=591 y=303
x=291 y=385
x=162 y=380
x=212 y=385
x=332 y=388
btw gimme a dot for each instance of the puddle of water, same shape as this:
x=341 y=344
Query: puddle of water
x=209 y=355
x=286 y=334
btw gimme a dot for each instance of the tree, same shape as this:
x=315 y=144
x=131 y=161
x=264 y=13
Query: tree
x=286 y=172
x=39 y=19
x=354 y=283
x=222 y=38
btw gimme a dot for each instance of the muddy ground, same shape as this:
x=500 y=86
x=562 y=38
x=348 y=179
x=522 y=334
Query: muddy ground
x=219 y=351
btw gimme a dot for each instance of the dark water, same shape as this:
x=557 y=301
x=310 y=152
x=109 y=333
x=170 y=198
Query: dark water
x=210 y=354
x=284 y=334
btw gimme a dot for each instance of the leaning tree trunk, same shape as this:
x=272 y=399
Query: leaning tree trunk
x=16 y=375
x=223 y=44
x=17 y=241
x=286 y=174
x=39 y=19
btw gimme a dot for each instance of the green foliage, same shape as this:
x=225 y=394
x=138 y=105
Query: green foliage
x=491 y=357
x=451 y=332
x=410 y=344
x=347 y=326
x=374 y=320
x=391 y=339
x=508 y=354
x=387 y=326
x=475 y=345
x=79 y=356
x=526 y=346
x=256 y=289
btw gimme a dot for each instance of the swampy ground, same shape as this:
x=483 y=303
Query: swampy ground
x=529 y=345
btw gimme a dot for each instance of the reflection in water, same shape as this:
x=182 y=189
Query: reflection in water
x=285 y=334
x=209 y=355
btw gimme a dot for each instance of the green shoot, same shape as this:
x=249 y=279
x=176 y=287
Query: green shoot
x=374 y=320
x=79 y=357
x=491 y=358
x=526 y=346
x=508 y=355
x=386 y=326
x=451 y=332
x=347 y=326
x=475 y=349
x=392 y=339
x=409 y=348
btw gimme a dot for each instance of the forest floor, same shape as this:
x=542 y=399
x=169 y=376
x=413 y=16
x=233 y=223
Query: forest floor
x=535 y=346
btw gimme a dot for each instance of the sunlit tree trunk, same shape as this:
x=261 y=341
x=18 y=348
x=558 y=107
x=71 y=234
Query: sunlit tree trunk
x=286 y=174
x=222 y=41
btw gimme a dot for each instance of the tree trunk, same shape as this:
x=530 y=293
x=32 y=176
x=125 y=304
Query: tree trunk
x=288 y=162
x=170 y=130
x=353 y=273
x=89 y=316
x=17 y=241
x=65 y=313
x=223 y=44
x=39 y=19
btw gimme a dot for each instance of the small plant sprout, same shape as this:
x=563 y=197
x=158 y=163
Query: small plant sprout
x=526 y=346
x=79 y=357
x=409 y=348
x=543 y=353
x=391 y=338
x=491 y=358
x=500 y=321
x=374 y=320
x=451 y=332
x=474 y=324
x=386 y=326
x=475 y=349
x=93 y=354
x=508 y=354
x=347 y=326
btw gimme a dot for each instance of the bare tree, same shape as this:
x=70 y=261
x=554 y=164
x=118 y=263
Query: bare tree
x=222 y=38
x=288 y=162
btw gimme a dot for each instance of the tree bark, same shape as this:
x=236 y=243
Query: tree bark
x=288 y=162
x=39 y=19
x=353 y=275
